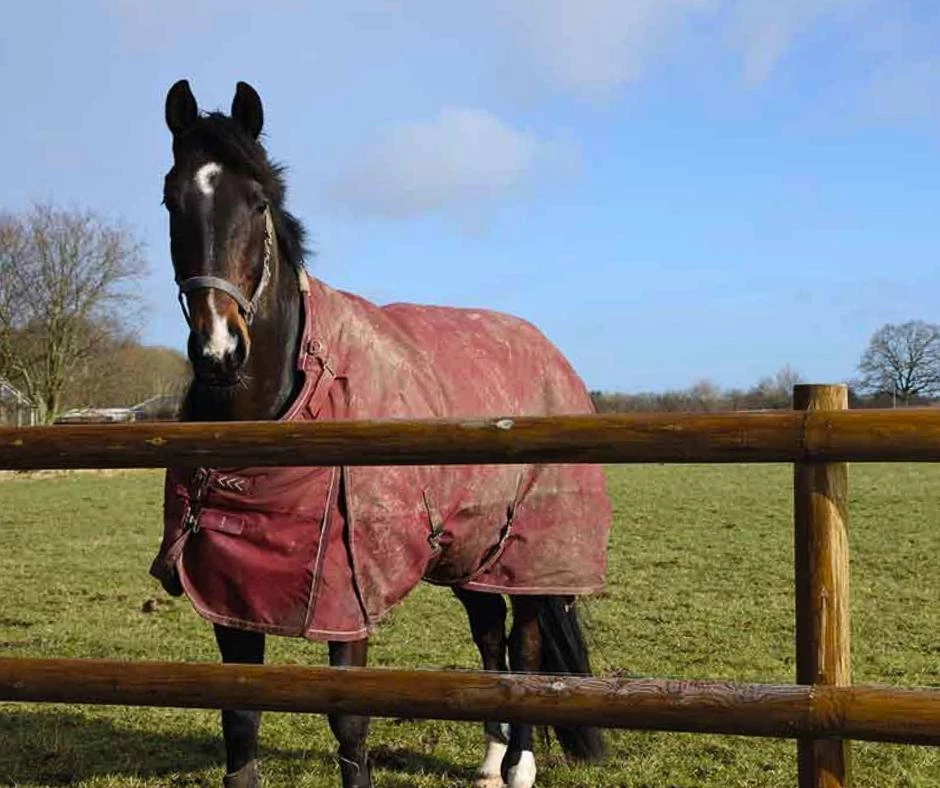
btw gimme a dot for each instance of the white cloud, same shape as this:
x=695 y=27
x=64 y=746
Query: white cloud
x=589 y=47
x=763 y=30
x=461 y=163
x=594 y=45
x=582 y=47
x=598 y=47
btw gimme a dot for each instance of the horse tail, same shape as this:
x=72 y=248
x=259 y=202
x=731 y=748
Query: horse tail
x=564 y=651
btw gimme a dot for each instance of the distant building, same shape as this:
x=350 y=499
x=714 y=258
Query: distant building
x=163 y=407
x=159 y=408
x=16 y=409
x=95 y=416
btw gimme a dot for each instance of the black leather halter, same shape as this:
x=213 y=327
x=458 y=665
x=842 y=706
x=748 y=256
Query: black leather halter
x=247 y=307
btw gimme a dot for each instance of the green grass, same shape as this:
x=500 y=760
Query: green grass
x=700 y=586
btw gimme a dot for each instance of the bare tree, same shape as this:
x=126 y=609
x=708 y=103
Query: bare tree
x=777 y=392
x=902 y=359
x=64 y=289
x=705 y=396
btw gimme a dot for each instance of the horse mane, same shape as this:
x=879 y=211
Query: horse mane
x=223 y=139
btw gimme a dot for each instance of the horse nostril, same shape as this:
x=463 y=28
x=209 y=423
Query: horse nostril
x=195 y=347
x=239 y=350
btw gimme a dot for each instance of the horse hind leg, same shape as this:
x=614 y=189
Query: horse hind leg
x=525 y=656
x=351 y=730
x=240 y=728
x=487 y=616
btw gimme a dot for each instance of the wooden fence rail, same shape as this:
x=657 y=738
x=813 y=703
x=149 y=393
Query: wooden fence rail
x=822 y=711
x=777 y=436
x=788 y=711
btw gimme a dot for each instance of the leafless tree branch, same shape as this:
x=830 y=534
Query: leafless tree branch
x=65 y=289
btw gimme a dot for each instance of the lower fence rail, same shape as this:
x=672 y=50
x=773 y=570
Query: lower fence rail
x=873 y=713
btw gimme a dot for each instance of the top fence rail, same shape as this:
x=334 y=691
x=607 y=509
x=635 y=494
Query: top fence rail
x=908 y=435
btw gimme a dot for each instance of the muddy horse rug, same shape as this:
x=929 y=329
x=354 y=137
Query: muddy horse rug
x=325 y=553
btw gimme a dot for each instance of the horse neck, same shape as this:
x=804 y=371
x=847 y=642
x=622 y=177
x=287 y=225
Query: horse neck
x=269 y=379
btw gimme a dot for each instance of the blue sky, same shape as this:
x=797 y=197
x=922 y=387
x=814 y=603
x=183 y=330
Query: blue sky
x=671 y=189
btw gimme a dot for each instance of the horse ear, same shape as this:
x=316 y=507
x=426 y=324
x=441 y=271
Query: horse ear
x=246 y=109
x=181 y=110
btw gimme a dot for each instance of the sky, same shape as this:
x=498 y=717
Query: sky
x=672 y=190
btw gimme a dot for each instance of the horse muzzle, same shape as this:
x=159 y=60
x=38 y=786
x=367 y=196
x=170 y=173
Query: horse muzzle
x=218 y=355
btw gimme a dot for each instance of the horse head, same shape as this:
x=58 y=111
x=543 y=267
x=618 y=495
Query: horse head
x=220 y=233
x=228 y=233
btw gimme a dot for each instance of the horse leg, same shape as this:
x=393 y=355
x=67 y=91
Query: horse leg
x=525 y=656
x=487 y=614
x=351 y=730
x=240 y=728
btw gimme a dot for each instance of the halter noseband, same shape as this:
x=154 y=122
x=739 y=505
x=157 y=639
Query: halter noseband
x=248 y=308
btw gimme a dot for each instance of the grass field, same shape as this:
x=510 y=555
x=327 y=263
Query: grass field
x=700 y=587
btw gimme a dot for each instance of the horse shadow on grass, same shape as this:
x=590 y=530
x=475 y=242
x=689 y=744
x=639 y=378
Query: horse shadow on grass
x=398 y=766
x=53 y=748
x=61 y=747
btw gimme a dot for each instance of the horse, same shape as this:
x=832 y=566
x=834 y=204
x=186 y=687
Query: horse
x=324 y=553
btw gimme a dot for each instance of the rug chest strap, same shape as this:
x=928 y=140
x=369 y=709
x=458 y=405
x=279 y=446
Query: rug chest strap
x=316 y=356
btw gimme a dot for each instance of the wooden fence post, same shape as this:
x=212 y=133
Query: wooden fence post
x=820 y=510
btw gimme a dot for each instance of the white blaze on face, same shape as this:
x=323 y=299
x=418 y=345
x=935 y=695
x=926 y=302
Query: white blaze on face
x=221 y=341
x=205 y=179
x=206 y=176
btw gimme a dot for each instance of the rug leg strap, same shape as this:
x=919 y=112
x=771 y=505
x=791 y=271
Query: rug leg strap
x=354 y=775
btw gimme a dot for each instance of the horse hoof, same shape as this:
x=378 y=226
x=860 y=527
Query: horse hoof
x=522 y=775
x=489 y=781
x=246 y=777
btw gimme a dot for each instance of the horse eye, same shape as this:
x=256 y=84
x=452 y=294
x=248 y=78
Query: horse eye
x=257 y=200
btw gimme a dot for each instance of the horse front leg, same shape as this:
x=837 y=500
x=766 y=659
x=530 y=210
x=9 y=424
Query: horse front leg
x=525 y=656
x=487 y=616
x=351 y=730
x=240 y=728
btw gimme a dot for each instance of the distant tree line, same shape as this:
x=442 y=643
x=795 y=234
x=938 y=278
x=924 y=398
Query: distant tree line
x=774 y=392
x=900 y=367
x=125 y=373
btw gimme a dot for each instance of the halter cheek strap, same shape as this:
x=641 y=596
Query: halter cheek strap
x=247 y=307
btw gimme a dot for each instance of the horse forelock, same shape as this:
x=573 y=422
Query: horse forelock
x=221 y=140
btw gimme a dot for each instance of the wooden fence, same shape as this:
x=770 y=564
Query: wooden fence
x=822 y=711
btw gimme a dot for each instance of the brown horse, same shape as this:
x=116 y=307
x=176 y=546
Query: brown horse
x=324 y=553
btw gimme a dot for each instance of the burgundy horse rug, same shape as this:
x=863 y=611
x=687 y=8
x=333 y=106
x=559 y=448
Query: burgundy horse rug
x=325 y=553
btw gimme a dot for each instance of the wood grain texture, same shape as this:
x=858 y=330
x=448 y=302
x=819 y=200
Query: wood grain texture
x=877 y=714
x=782 y=436
x=821 y=552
